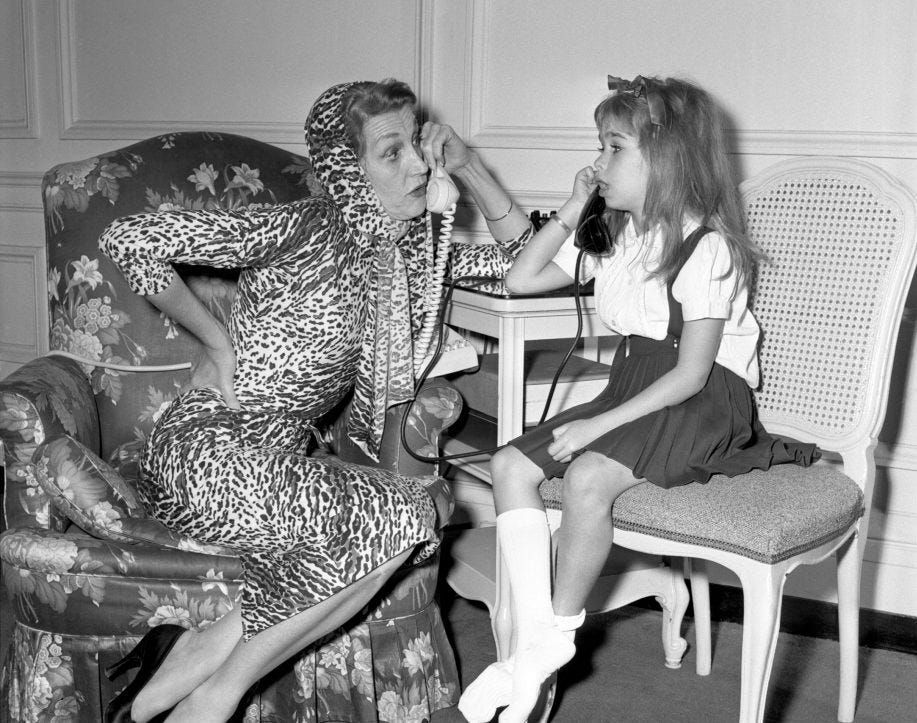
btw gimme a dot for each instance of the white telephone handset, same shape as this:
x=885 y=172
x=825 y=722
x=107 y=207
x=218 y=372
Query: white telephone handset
x=441 y=191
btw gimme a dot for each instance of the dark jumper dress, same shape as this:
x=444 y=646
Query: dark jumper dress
x=716 y=431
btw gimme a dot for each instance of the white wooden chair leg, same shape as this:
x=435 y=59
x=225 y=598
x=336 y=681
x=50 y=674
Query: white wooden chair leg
x=696 y=570
x=674 y=605
x=762 y=587
x=545 y=704
x=848 y=613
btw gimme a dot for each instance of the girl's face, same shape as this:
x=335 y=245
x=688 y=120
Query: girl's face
x=393 y=163
x=621 y=171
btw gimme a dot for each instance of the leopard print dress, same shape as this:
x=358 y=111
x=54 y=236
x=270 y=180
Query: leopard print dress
x=305 y=326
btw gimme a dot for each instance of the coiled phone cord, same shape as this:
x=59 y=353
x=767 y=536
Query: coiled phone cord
x=434 y=291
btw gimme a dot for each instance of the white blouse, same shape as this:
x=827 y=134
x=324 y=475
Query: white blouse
x=629 y=302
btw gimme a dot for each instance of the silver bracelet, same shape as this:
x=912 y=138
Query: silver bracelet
x=561 y=223
x=499 y=218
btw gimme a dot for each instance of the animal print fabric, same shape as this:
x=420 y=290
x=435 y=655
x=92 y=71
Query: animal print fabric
x=329 y=295
x=308 y=527
x=403 y=264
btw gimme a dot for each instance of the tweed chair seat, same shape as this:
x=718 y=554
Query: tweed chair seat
x=766 y=516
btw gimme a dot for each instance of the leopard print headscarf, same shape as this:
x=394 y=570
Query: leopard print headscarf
x=402 y=266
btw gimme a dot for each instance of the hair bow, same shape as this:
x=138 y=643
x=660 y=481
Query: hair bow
x=640 y=86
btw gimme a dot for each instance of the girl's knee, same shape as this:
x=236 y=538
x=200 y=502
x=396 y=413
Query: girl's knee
x=508 y=464
x=502 y=462
x=509 y=468
x=593 y=479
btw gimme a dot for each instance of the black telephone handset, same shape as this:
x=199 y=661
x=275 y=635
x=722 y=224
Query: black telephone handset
x=592 y=234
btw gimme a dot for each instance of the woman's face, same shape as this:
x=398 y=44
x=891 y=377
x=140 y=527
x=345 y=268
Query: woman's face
x=394 y=164
x=621 y=171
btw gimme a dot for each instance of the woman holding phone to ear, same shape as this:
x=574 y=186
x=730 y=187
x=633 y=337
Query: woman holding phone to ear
x=329 y=303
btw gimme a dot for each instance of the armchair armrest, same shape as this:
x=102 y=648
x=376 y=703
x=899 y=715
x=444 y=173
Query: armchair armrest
x=435 y=409
x=44 y=397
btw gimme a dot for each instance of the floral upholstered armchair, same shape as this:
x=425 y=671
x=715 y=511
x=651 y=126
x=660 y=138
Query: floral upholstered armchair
x=85 y=570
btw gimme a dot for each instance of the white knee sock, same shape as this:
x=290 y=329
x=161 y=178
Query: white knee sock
x=541 y=647
x=525 y=544
x=569 y=624
x=493 y=688
x=490 y=690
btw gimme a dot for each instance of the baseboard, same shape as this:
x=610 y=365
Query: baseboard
x=816 y=619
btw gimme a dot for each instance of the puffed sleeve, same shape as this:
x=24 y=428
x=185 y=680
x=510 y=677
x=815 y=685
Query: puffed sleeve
x=707 y=285
x=145 y=246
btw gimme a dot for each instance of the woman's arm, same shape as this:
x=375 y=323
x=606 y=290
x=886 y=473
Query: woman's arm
x=217 y=366
x=697 y=350
x=145 y=247
x=441 y=145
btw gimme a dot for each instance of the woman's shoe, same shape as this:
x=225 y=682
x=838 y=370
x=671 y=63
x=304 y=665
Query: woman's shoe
x=148 y=654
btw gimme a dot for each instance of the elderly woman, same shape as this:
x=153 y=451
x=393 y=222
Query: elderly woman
x=330 y=302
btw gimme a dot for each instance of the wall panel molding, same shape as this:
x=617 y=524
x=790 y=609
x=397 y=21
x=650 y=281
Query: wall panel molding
x=752 y=142
x=863 y=144
x=73 y=127
x=27 y=126
x=27 y=264
x=20 y=191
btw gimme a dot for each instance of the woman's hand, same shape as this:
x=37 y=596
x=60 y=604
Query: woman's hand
x=572 y=437
x=215 y=369
x=441 y=145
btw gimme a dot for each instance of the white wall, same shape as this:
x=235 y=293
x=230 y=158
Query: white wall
x=518 y=78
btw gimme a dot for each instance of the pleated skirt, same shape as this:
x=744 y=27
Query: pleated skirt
x=716 y=431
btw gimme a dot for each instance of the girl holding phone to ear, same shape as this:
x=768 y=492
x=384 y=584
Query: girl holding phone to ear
x=672 y=268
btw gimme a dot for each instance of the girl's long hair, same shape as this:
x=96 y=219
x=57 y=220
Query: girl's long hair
x=690 y=174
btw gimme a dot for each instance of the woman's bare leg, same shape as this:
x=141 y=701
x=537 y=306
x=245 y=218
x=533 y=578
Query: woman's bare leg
x=206 y=674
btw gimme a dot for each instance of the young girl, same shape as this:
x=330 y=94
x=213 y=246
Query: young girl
x=672 y=279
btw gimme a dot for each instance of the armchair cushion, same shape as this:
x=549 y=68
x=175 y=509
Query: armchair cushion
x=97 y=499
x=43 y=398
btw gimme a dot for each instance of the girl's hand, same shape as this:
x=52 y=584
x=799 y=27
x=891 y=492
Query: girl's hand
x=441 y=145
x=570 y=438
x=215 y=369
x=584 y=184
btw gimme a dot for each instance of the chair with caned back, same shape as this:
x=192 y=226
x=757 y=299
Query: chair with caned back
x=841 y=237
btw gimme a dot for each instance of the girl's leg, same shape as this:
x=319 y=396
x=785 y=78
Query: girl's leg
x=591 y=485
x=207 y=673
x=515 y=487
x=525 y=544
